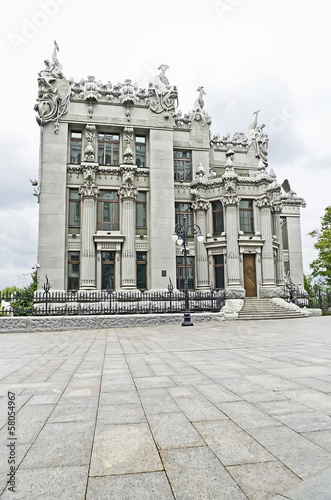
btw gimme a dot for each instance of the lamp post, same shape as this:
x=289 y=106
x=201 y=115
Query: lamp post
x=180 y=236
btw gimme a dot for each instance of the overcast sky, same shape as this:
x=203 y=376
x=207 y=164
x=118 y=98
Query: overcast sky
x=272 y=55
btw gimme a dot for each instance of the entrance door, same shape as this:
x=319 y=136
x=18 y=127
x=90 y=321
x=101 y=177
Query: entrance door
x=250 y=275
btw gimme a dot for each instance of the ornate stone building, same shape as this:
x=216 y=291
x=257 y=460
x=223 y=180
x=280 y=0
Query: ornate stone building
x=121 y=165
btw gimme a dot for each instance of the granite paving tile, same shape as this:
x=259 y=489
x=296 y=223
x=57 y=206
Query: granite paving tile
x=60 y=483
x=231 y=444
x=300 y=455
x=61 y=445
x=196 y=474
x=157 y=401
x=124 y=449
x=121 y=414
x=111 y=398
x=247 y=415
x=217 y=394
x=282 y=407
x=262 y=480
x=197 y=408
x=321 y=438
x=147 y=486
x=305 y=421
x=317 y=487
x=153 y=382
x=74 y=413
x=173 y=430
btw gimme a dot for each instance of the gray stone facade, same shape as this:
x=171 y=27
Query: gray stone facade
x=121 y=165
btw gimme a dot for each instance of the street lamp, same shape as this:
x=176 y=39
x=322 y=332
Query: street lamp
x=180 y=236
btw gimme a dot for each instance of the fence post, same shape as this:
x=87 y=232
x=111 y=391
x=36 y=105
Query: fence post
x=47 y=286
x=320 y=299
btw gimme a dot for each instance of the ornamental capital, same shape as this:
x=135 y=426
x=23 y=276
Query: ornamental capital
x=200 y=205
x=230 y=199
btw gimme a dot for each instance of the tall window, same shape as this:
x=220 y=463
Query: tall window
x=108 y=149
x=246 y=216
x=142 y=270
x=180 y=272
x=107 y=269
x=73 y=271
x=219 y=271
x=141 y=204
x=140 y=151
x=75 y=147
x=283 y=224
x=108 y=216
x=218 y=220
x=74 y=208
x=182 y=166
x=182 y=209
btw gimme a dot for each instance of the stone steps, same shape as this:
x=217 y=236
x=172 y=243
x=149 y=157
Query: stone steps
x=265 y=309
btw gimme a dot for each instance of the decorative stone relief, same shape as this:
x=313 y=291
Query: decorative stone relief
x=265 y=201
x=259 y=139
x=162 y=97
x=128 y=189
x=198 y=113
x=49 y=105
x=89 y=153
x=36 y=188
x=89 y=189
x=128 y=138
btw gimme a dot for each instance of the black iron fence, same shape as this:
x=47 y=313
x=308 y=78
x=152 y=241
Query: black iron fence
x=321 y=300
x=108 y=302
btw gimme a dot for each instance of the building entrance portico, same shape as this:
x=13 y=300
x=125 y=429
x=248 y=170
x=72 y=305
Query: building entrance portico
x=250 y=275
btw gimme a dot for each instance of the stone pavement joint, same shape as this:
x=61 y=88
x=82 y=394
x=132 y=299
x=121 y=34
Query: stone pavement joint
x=219 y=411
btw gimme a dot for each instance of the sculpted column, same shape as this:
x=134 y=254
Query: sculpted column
x=231 y=203
x=128 y=193
x=88 y=192
x=201 y=207
x=276 y=211
x=268 y=273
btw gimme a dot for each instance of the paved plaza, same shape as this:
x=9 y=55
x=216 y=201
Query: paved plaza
x=221 y=410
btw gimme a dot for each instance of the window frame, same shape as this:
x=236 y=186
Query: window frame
x=72 y=262
x=104 y=142
x=141 y=263
x=187 y=165
x=141 y=203
x=219 y=265
x=243 y=211
x=179 y=214
x=180 y=270
x=139 y=144
x=72 y=201
x=115 y=224
x=216 y=211
x=76 y=140
x=108 y=262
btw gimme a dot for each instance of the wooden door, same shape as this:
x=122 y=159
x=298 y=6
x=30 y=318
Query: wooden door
x=250 y=275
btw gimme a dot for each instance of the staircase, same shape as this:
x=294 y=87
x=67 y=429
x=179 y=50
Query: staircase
x=254 y=308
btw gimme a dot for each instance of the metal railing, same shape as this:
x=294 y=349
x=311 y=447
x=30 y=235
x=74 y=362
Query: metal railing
x=322 y=300
x=49 y=303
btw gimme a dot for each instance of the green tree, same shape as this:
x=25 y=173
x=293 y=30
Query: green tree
x=22 y=303
x=321 y=267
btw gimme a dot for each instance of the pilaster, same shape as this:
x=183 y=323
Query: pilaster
x=201 y=207
x=128 y=194
x=89 y=191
